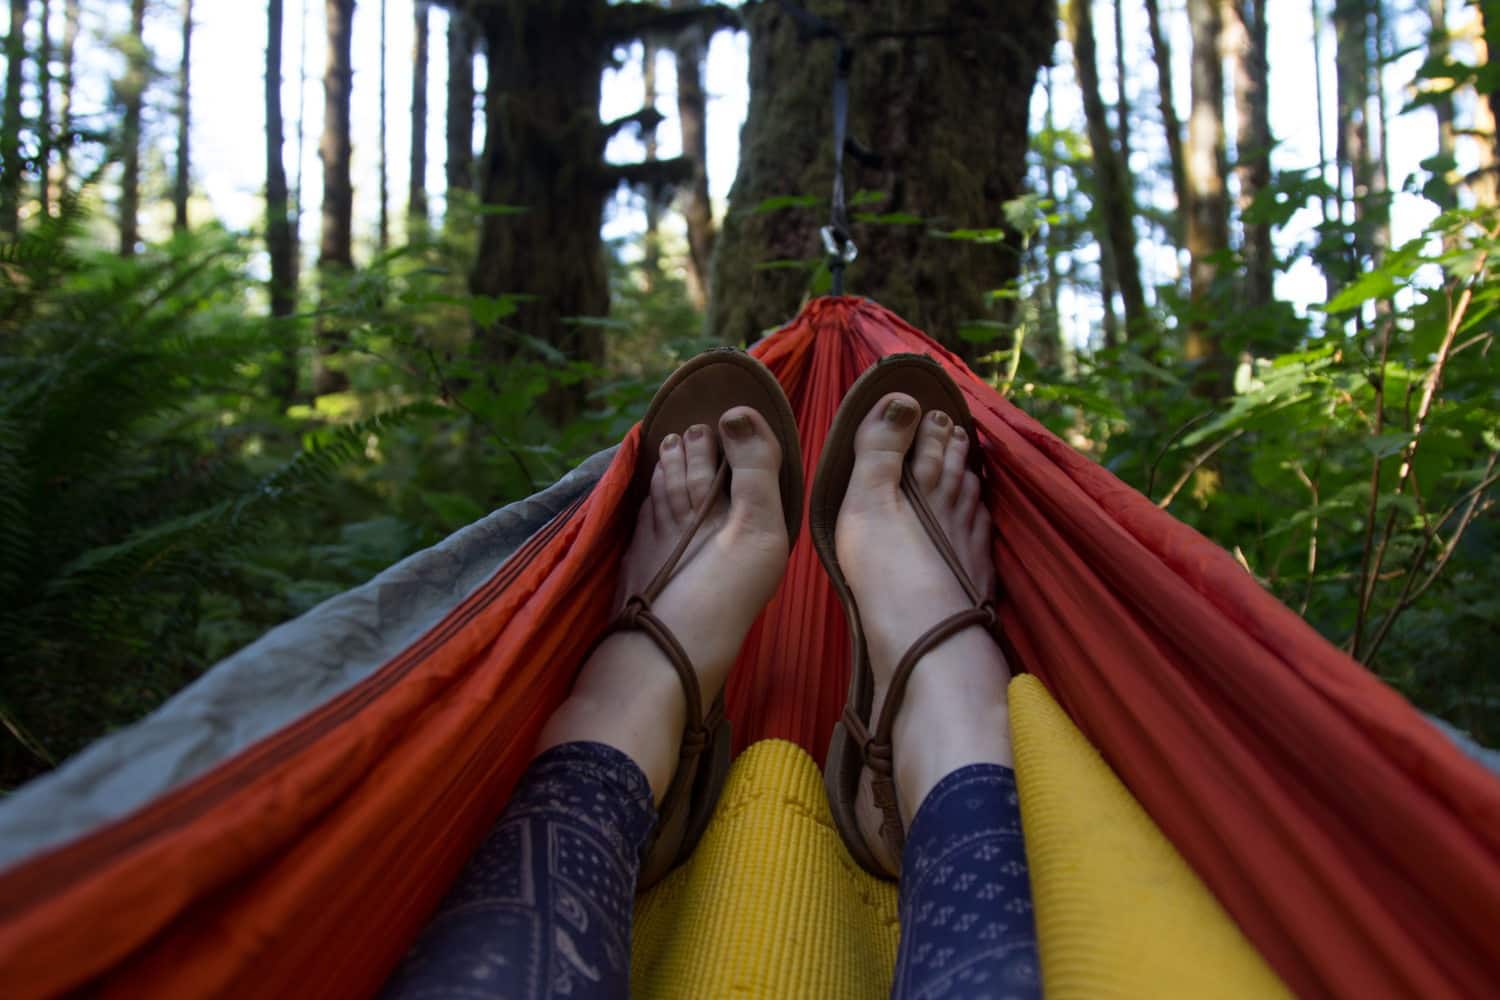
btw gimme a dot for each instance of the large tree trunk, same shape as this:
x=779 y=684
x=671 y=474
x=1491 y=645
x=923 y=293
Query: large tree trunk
x=1162 y=56
x=10 y=122
x=280 y=241
x=460 y=165
x=652 y=248
x=416 y=192
x=947 y=118
x=689 y=51
x=335 y=250
x=132 y=89
x=1252 y=143
x=184 y=120
x=1115 y=205
x=1207 y=215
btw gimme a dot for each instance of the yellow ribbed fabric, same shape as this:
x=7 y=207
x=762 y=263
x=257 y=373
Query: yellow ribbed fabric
x=1119 y=913
x=770 y=904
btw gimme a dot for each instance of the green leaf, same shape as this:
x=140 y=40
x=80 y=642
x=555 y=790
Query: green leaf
x=982 y=331
x=1386 y=445
x=780 y=201
x=1377 y=284
x=501 y=209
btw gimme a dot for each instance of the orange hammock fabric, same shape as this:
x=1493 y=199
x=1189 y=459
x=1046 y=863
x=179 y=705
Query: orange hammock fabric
x=1352 y=843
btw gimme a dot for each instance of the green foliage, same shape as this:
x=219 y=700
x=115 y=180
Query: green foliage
x=1353 y=470
x=160 y=506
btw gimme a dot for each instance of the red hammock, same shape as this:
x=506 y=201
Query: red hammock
x=1354 y=845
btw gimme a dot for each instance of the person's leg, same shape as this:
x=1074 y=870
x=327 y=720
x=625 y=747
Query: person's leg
x=966 y=923
x=544 y=908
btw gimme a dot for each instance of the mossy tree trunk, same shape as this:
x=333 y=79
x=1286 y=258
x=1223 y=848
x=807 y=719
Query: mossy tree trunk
x=946 y=116
x=544 y=162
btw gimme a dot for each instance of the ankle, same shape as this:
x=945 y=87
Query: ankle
x=955 y=713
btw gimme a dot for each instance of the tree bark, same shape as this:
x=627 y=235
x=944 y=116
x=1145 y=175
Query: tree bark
x=1351 y=58
x=689 y=52
x=184 y=120
x=132 y=89
x=652 y=255
x=65 y=110
x=1122 y=106
x=416 y=195
x=946 y=117
x=460 y=165
x=1252 y=144
x=1115 y=202
x=280 y=239
x=383 y=231
x=335 y=251
x=1442 y=107
x=1207 y=215
x=10 y=121
x=1162 y=56
x=44 y=133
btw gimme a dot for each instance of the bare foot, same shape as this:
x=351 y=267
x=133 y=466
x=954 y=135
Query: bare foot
x=628 y=695
x=954 y=711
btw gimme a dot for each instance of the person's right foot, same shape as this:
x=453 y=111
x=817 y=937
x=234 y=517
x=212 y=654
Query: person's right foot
x=954 y=711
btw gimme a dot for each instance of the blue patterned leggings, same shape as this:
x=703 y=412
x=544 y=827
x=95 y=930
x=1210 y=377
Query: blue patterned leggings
x=544 y=908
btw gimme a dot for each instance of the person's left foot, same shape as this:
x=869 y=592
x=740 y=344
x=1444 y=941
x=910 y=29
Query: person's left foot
x=628 y=694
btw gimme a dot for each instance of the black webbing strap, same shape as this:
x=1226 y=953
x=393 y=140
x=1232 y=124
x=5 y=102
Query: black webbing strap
x=838 y=243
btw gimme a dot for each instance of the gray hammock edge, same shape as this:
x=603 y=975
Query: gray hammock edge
x=286 y=673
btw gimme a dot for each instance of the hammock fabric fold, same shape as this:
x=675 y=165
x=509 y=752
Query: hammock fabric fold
x=1353 y=844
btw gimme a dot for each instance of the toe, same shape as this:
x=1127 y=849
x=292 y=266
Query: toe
x=702 y=462
x=955 y=467
x=674 y=465
x=881 y=443
x=927 y=453
x=659 y=507
x=754 y=457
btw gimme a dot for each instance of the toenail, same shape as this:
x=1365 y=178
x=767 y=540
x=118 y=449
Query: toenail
x=696 y=432
x=900 y=413
x=958 y=434
x=670 y=441
x=739 y=427
x=940 y=418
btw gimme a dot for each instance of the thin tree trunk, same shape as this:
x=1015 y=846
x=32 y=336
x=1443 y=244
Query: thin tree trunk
x=1252 y=144
x=1380 y=184
x=1353 y=144
x=1054 y=351
x=297 y=206
x=652 y=254
x=335 y=251
x=132 y=89
x=1162 y=56
x=65 y=111
x=10 y=122
x=383 y=237
x=1207 y=214
x=460 y=165
x=1442 y=107
x=184 y=120
x=1122 y=107
x=697 y=210
x=280 y=242
x=1115 y=203
x=44 y=133
x=416 y=199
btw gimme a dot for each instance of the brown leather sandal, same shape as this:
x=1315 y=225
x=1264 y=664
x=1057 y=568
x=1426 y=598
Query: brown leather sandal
x=699 y=393
x=855 y=745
